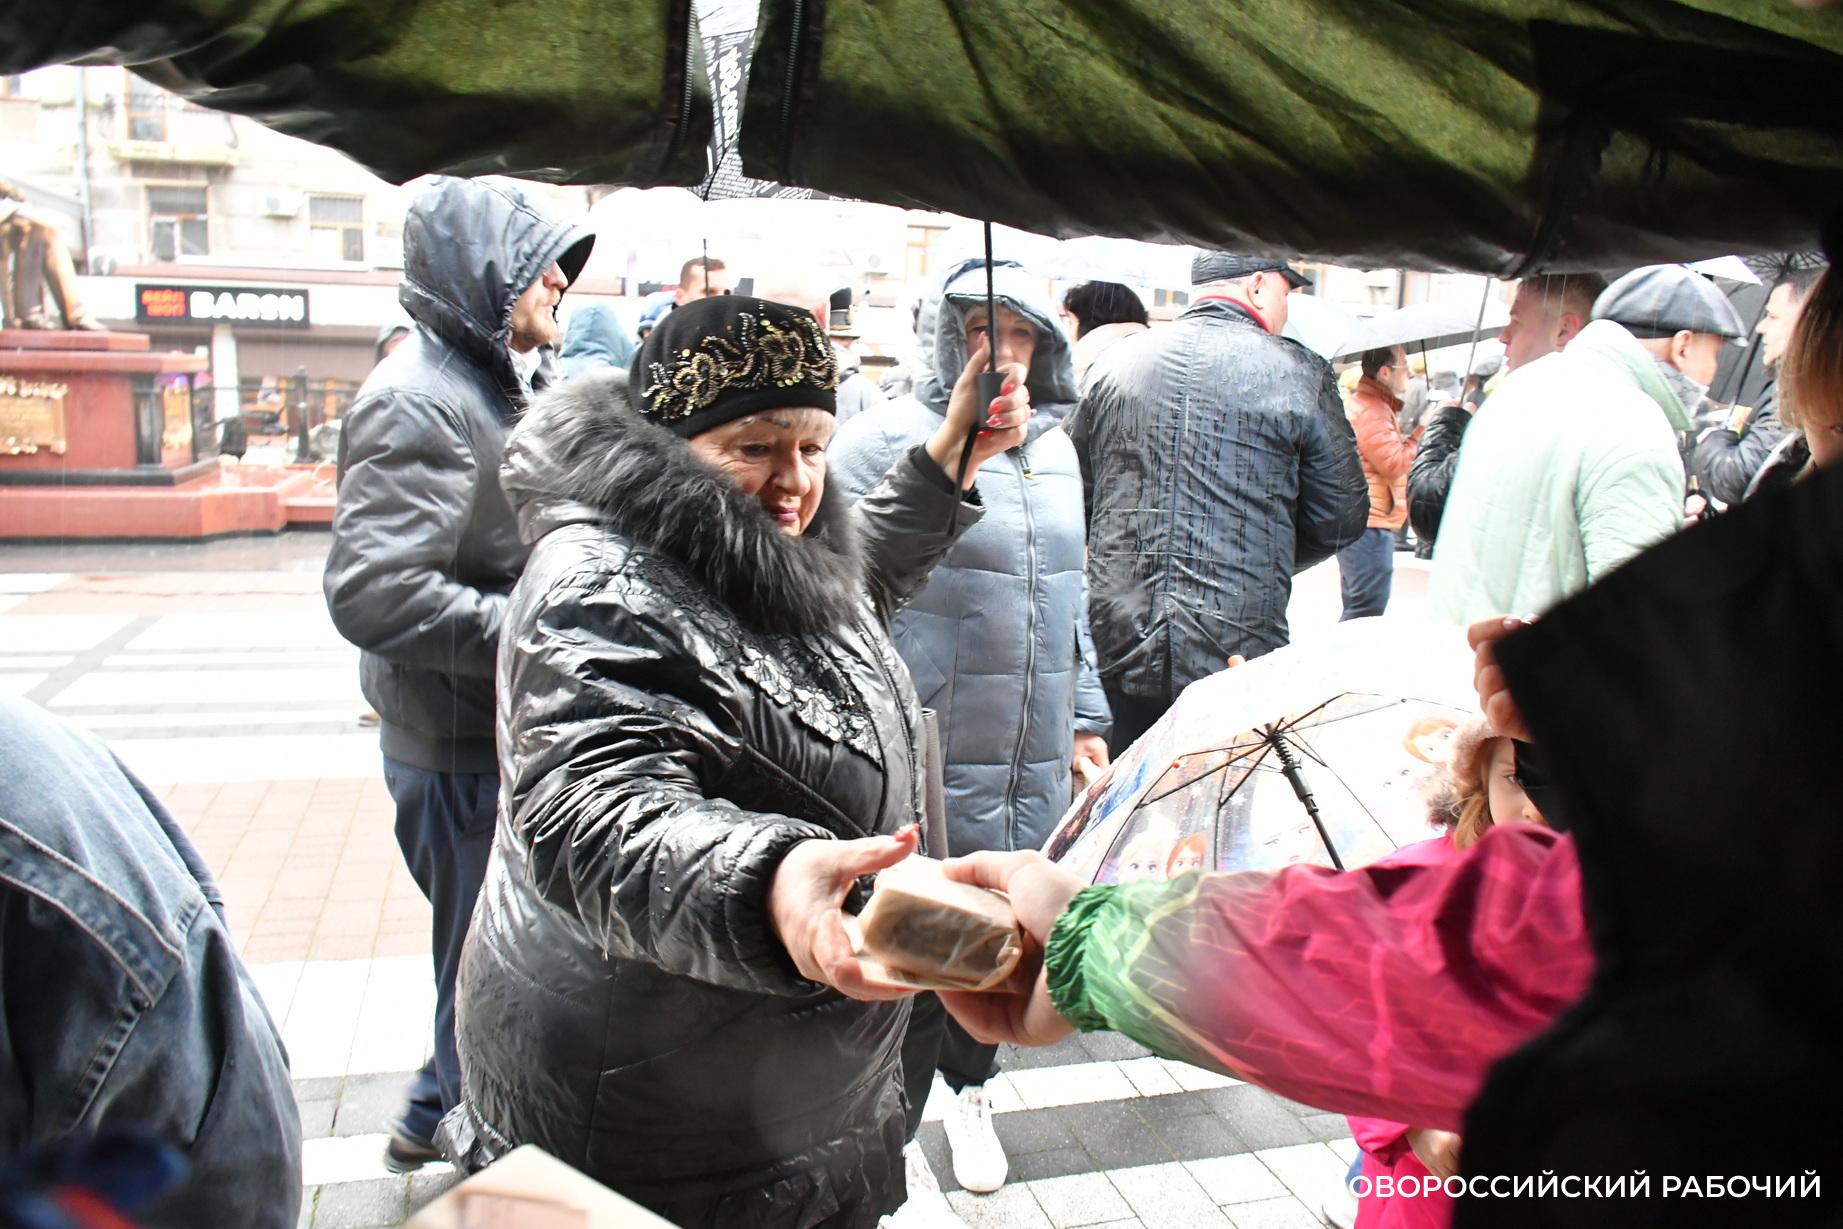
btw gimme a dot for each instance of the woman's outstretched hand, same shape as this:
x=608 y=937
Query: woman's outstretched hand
x=998 y=426
x=1039 y=891
x=805 y=902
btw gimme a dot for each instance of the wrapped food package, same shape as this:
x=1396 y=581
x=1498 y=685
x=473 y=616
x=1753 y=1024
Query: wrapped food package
x=923 y=931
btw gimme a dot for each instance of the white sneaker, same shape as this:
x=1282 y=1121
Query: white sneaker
x=1340 y=1208
x=978 y=1158
x=926 y=1207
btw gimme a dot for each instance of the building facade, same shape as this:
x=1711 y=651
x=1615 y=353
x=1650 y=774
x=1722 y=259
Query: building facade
x=276 y=257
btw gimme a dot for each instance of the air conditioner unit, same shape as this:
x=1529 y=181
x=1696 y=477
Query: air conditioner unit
x=281 y=205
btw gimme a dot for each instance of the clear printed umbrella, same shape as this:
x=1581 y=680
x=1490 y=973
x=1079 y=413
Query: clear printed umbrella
x=1320 y=753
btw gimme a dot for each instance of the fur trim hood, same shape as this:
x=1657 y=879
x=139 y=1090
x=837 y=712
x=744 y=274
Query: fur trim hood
x=582 y=454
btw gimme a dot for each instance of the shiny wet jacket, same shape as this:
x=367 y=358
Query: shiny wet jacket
x=685 y=693
x=1218 y=462
x=424 y=546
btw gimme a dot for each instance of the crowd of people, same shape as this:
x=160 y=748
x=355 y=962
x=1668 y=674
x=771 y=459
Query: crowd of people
x=667 y=640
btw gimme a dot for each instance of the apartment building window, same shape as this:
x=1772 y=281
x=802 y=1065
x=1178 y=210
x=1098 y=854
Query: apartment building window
x=176 y=217
x=146 y=111
x=336 y=226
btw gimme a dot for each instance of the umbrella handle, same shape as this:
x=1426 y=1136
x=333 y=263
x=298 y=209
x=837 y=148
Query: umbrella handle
x=1289 y=768
x=991 y=383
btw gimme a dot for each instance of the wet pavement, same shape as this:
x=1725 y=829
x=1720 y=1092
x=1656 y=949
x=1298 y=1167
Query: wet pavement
x=214 y=673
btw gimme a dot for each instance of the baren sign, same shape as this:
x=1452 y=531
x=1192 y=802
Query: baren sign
x=156 y=303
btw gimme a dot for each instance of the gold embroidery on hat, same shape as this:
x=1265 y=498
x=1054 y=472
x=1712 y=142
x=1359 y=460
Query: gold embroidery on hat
x=760 y=354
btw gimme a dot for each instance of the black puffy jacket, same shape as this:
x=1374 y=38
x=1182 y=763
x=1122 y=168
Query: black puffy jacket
x=424 y=546
x=685 y=693
x=1430 y=475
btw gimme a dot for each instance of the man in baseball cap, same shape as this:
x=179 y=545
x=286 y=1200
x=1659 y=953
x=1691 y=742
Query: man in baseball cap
x=1575 y=464
x=1217 y=461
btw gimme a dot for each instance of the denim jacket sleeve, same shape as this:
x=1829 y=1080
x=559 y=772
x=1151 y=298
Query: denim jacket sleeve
x=148 y=1019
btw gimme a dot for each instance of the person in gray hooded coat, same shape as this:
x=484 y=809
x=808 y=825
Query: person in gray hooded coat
x=995 y=642
x=425 y=549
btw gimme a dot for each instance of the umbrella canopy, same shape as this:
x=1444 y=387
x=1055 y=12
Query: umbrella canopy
x=1424 y=326
x=1727 y=269
x=1490 y=135
x=1318 y=752
x=1320 y=325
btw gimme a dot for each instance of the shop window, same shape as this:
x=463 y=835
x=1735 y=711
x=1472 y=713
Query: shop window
x=146 y=111
x=176 y=218
x=336 y=226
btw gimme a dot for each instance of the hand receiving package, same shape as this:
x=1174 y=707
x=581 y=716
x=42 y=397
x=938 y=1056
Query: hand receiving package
x=922 y=931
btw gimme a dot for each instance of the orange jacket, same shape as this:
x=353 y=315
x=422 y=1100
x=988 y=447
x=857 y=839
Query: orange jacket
x=1384 y=452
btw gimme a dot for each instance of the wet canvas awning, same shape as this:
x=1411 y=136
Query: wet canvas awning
x=1489 y=135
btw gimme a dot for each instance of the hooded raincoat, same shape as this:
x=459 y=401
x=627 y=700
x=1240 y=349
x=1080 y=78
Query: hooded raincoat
x=685 y=693
x=1572 y=469
x=596 y=339
x=424 y=548
x=995 y=640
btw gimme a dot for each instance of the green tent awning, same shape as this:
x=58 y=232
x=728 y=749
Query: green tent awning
x=1492 y=135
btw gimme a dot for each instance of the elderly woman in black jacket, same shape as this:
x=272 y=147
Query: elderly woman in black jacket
x=705 y=739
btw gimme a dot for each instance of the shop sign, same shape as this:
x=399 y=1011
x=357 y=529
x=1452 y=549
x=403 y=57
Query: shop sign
x=31 y=416
x=258 y=305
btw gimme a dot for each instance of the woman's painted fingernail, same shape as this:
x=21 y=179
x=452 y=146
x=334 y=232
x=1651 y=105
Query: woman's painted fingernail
x=1010 y=386
x=992 y=421
x=983 y=434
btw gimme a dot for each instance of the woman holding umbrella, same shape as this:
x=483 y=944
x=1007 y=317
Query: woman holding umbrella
x=706 y=738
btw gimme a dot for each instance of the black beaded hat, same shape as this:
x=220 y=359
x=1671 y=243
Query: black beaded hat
x=716 y=359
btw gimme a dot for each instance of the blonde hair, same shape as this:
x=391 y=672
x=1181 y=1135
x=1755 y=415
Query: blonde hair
x=1459 y=795
x=1811 y=369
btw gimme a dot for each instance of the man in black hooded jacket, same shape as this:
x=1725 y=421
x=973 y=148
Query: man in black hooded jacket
x=425 y=550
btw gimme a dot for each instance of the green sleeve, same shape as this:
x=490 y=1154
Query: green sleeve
x=1096 y=947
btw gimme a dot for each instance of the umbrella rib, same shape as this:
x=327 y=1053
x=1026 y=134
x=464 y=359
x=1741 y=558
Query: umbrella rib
x=1150 y=797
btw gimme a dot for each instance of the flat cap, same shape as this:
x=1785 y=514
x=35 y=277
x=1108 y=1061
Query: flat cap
x=1207 y=266
x=1662 y=300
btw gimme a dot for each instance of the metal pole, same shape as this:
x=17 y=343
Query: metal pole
x=83 y=163
x=303 y=449
x=990 y=380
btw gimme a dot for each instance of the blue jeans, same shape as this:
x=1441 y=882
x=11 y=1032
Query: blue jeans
x=445 y=829
x=1367 y=566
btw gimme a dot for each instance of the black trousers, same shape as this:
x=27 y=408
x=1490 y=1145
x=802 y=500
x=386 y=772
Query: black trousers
x=1132 y=716
x=936 y=1042
x=445 y=830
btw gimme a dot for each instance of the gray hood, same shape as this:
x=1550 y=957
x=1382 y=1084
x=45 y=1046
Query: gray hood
x=940 y=332
x=470 y=248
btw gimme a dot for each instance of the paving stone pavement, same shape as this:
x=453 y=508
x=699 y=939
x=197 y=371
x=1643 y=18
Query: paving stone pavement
x=229 y=692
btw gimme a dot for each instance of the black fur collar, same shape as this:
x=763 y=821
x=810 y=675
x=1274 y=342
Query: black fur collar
x=582 y=454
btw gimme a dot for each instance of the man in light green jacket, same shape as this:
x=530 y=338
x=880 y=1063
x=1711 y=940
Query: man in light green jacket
x=1573 y=466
